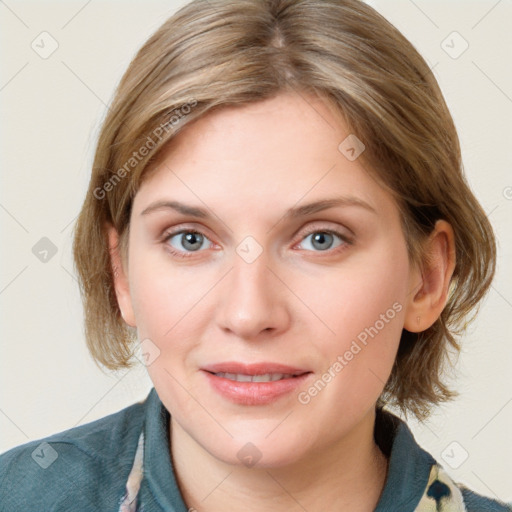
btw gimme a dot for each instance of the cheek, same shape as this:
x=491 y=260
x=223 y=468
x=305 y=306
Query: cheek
x=363 y=305
x=155 y=303
x=172 y=306
x=161 y=293
x=354 y=296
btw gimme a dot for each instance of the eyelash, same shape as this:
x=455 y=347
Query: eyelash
x=180 y=254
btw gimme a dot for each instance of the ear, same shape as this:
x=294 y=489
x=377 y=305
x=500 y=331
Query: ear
x=429 y=286
x=120 y=275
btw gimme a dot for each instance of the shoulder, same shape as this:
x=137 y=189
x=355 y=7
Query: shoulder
x=477 y=503
x=78 y=468
x=416 y=479
x=446 y=494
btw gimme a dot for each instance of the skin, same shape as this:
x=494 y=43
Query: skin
x=297 y=303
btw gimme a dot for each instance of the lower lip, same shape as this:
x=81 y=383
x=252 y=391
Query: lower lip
x=254 y=393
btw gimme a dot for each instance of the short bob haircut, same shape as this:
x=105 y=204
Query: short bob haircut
x=217 y=53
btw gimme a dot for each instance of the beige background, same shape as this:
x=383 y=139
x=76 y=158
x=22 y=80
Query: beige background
x=51 y=109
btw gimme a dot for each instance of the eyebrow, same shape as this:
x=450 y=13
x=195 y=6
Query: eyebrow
x=291 y=213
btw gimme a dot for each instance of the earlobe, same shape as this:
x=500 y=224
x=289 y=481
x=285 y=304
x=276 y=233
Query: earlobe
x=429 y=286
x=120 y=277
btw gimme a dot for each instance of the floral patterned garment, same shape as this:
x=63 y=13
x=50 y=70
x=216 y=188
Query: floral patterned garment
x=129 y=501
x=442 y=493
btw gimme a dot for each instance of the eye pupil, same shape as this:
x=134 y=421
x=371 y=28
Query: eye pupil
x=320 y=238
x=191 y=239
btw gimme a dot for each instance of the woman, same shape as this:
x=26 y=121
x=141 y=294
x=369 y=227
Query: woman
x=277 y=224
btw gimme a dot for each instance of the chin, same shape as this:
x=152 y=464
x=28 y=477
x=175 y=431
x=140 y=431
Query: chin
x=260 y=452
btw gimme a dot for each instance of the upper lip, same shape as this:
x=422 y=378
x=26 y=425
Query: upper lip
x=253 y=368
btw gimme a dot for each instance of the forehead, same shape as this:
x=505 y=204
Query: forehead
x=266 y=155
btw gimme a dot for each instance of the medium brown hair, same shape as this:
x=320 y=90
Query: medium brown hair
x=219 y=53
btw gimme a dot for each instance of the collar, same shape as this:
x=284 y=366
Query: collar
x=409 y=464
x=408 y=474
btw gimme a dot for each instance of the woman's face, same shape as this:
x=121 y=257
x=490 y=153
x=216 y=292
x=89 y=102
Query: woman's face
x=261 y=249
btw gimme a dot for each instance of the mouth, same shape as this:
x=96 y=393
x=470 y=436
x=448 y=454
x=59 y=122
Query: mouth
x=254 y=384
x=266 y=377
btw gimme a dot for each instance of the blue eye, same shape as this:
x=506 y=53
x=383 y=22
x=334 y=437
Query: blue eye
x=323 y=240
x=186 y=241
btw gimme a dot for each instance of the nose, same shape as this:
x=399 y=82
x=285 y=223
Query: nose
x=253 y=301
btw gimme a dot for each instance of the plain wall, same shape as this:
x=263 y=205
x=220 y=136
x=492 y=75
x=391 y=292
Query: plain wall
x=51 y=109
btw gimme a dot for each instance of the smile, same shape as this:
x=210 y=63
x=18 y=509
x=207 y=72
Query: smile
x=255 y=386
x=267 y=377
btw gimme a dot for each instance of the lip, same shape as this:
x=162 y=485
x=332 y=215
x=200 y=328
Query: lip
x=254 y=393
x=253 y=368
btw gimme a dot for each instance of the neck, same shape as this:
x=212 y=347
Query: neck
x=348 y=476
